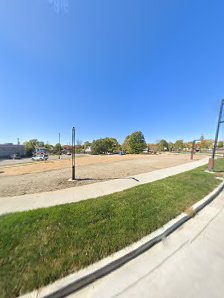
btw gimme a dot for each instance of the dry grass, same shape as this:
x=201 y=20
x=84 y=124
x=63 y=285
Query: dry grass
x=49 y=165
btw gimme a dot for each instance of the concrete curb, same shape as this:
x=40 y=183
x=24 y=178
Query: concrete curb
x=78 y=280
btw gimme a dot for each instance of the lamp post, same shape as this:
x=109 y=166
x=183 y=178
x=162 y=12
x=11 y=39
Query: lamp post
x=73 y=153
x=211 y=161
x=59 y=139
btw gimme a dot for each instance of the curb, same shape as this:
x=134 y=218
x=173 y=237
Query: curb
x=78 y=280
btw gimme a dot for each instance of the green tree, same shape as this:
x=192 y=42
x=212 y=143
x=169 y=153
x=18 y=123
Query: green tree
x=134 y=143
x=220 y=144
x=171 y=146
x=50 y=148
x=103 y=146
x=189 y=145
x=179 y=145
x=112 y=145
x=57 y=148
x=86 y=144
x=30 y=146
x=163 y=145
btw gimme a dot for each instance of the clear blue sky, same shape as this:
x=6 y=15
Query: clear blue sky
x=110 y=67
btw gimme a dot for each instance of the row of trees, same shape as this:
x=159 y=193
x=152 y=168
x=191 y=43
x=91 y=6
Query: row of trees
x=180 y=145
x=34 y=143
x=133 y=144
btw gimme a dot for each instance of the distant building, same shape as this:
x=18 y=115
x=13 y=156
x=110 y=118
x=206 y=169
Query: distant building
x=6 y=150
x=40 y=151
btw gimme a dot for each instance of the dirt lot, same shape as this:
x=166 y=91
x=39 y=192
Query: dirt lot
x=51 y=175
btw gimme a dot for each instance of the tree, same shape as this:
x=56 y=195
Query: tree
x=134 y=143
x=86 y=144
x=154 y=148
x=205 y=144
x=171 y=146
x=103 y=146
x=220 y=144
x=30 y=146
x=179 y=145
x=189 y=145
x=57 y=148
x=50 y=148
x=78 y=148
x=163 y=145
x=112 y=145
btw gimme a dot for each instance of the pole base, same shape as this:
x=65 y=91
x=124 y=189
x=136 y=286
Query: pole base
x=71 y=180
x=211 y=163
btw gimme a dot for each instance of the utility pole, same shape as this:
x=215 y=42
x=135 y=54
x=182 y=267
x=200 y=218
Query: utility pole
x=73 y=153
x=59 y=138
x=211 y=161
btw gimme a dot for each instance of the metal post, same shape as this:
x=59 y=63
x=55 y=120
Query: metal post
x=73 y=153
x=212 y=159
x=59 y=139
x=192 y=150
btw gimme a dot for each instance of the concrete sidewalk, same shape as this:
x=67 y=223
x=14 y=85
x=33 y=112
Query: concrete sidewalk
x=75 y=194
x=189 y=264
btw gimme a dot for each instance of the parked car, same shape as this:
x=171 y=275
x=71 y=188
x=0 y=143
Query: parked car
x=40 y=157
x=15 y=156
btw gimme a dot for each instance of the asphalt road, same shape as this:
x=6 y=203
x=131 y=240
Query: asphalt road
x=11 y=162
x=187 y=264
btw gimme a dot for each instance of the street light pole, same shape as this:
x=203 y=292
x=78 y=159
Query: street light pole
x=59 y=137
x=211 y=161
x=73 y=153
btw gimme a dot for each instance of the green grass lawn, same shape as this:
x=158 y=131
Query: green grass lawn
x=37 y=247
x=219 y=165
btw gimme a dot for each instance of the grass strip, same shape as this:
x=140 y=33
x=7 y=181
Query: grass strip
x=37 y=247
x=219 y=165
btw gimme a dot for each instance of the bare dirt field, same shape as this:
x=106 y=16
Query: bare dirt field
x=54 y=174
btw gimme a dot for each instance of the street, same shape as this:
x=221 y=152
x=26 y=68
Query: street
x=11 y=162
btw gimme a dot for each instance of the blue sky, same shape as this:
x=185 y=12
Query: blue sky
x=110 y=67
